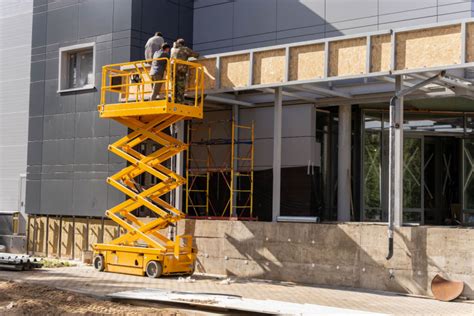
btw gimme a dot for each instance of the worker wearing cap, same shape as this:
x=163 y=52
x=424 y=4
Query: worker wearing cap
x=181 y=52
x=158 y=68
x=153 y=45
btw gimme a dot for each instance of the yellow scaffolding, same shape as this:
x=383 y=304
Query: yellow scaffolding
x=143 y=249
x=235 y=169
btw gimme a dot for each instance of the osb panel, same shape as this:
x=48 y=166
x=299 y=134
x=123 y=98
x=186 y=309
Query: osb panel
x=380 y=53
x=470 y=42
x=95 y=232
x=347 y=57
x=307 y=62
x=269 y=66
x=67 y=237
x=54 y=230
x=428 y=48
x=40 y=242
x=235 y=71
x=110 y=230
x=31 y=231
x=80 y=237
x=209 y=66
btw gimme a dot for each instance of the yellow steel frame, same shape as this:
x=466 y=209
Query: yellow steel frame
x=146 y=120
x=234 y=167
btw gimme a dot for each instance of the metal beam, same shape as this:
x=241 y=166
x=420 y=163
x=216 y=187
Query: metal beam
x=321 y=90
x=277 y=132
x=290 y=94
x=405 y=83
x=227 y=100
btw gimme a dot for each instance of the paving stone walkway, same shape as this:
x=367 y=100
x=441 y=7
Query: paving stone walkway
x=85 y=279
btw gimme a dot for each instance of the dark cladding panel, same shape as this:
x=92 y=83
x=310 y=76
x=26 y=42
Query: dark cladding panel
x=95 y=17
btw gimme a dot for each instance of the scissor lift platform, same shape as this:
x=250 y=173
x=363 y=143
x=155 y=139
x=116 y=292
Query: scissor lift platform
x=125 y=98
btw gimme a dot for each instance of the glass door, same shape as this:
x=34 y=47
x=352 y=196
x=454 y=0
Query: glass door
x=468 y=180
x=413 y=165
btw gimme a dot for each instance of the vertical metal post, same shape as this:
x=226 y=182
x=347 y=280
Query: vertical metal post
x=395 y=162
x=277 y=132
x=344 y=164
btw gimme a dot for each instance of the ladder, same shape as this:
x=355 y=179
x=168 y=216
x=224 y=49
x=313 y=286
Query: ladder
x=144 y=248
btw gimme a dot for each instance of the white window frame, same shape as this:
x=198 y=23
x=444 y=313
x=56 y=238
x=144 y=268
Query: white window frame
x=63 y=74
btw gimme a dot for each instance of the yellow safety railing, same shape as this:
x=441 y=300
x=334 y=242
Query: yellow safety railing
x=131 y=82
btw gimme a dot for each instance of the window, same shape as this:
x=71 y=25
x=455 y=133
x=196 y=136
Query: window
x=77 y=67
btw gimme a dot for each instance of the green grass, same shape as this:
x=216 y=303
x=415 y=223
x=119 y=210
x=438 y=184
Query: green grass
x=56 y=263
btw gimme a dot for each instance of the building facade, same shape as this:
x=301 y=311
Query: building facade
x=67 y=145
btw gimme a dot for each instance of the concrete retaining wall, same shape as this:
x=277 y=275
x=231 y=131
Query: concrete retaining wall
x=350 y=254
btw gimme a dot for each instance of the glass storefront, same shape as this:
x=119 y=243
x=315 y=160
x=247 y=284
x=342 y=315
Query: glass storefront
x=431 y=169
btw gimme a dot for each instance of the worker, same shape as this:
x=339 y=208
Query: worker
x=181 y=52
x=153 y=44
x=158 y=68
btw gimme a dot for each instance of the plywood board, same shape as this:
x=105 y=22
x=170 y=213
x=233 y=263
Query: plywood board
x=307 y=62
x=40 y=242
x=67 y=237
x=380 y=53
x=428 y=48
x=95 y=232
x=80 y=237
x=110 y=230
x=235 y=71
x=269 y=66
x=54 y=230
x=210 y=72
x=31 y=231
x=347 y=57
x=470 y=42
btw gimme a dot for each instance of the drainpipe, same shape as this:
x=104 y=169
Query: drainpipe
x=395 y=185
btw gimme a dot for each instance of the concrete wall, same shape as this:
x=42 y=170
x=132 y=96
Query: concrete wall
x=351 y=255
x=226 y=25
x=15 y=52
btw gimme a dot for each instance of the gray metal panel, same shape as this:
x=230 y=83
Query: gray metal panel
x=90 y=196
x=95 y=18
x=206 y=3
x=35 y=153
x=33 y=198
x=408 y=15
x=342 y=10
x=205 y=29
x=37 y=71
x=91 y=150
x=59 y=126
x=58 y=152
x=62 y=24
x=300 y=14
x=36 y=98
x=390 y=6
x=254 y=17
x=35 y=128
x=88 y=124
x=56 y=196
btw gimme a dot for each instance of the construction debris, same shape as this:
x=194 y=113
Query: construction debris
x=17 y=262
x=446 y=290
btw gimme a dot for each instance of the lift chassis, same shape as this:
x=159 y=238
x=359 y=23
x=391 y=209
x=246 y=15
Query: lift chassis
x=143 y=247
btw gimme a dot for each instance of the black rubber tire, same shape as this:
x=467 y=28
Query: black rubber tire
x=154 y=269
x=98 y=262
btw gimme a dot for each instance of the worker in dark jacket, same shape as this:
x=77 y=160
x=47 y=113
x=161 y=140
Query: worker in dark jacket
x=158 y=68
x=180 y=51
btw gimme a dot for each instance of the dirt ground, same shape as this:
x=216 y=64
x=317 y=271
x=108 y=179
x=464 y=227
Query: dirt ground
x=29 y=299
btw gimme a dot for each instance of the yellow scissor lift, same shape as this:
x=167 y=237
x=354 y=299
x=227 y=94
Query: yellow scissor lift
x=143 y=248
